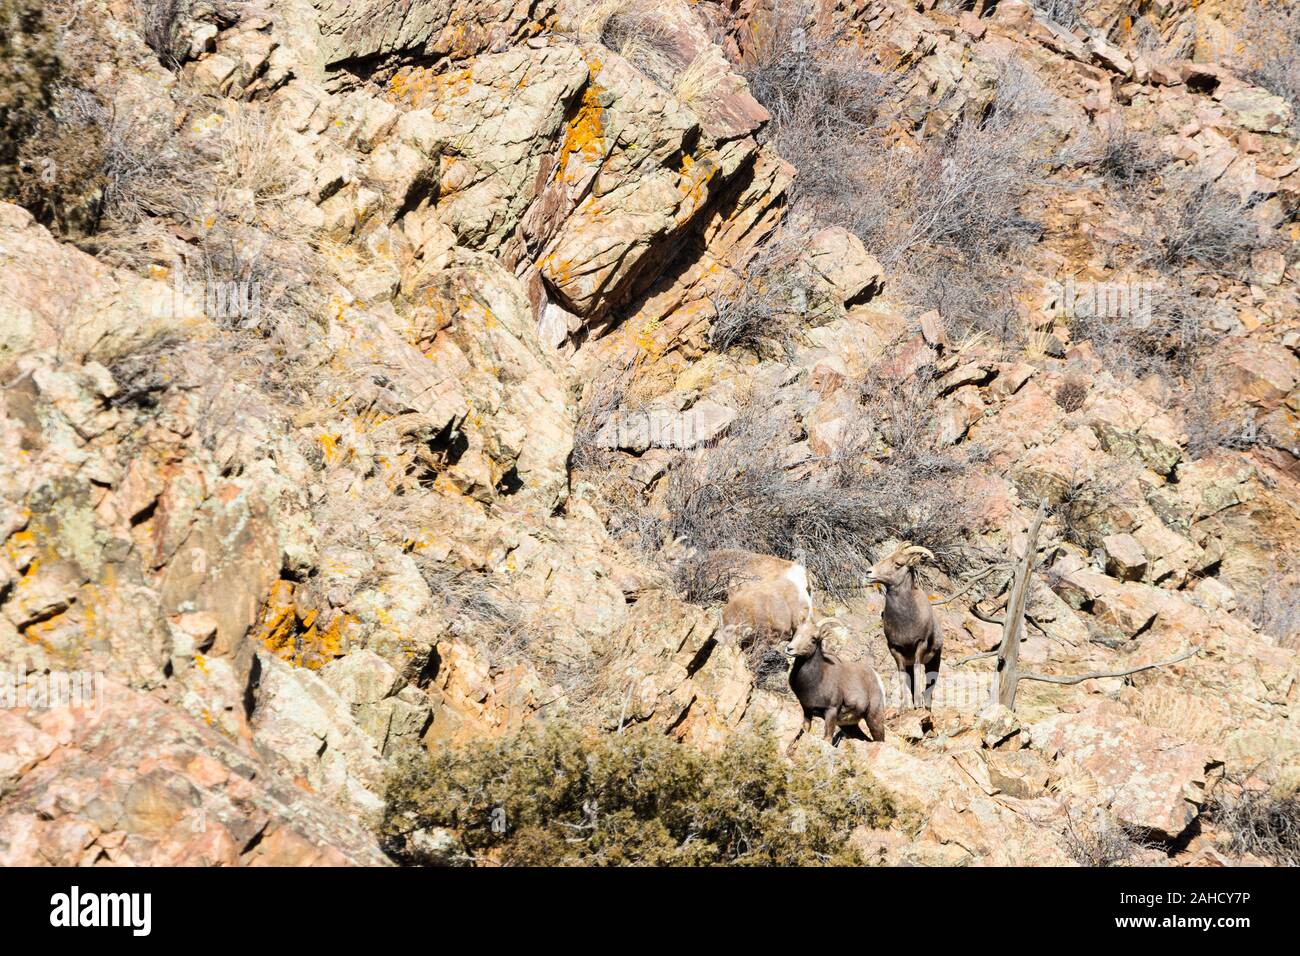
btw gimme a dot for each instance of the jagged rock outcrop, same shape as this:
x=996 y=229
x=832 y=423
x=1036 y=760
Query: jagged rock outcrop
x=386 y=519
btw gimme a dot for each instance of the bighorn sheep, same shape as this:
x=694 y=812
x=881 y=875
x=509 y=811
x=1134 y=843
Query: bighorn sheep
x=841 y=693
x=911 y=629
x=770 y=609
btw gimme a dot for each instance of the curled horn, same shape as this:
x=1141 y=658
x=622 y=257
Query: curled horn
x=832 y=623
x=919 y=551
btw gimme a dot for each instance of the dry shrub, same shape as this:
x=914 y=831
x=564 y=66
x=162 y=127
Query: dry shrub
x=886 y=480
x=61 y=164
x=30 y=67
x=601 y=401
x=763 y=309
x=1199 y=221
x=1082 y=507
x=224 y=180
x=1097 y=839
x=634 y=29
x=1183 y=713
x=1170 y=335
x=1072 y=393
x=1258 y=820
x=161 y=22
x=562 y=795
x=1210 y=422
x=965 y=188
x=1268 y=51
x=1064 y=12
x=828 y=104
x=942 y=215
x=1125 y=160
x=480 y=609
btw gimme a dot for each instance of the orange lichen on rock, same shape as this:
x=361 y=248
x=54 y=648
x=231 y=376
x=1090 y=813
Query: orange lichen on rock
x=290 y=631
x=585 y=133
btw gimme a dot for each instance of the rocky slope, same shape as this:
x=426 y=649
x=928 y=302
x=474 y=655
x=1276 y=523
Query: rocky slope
x=418 y=494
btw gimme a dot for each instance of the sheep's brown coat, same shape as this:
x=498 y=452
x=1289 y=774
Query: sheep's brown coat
x=771 y=609
x=912 y=630
x=842 y=693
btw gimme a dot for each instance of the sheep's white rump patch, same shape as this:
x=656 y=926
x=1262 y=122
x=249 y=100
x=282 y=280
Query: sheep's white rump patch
x=798 y=576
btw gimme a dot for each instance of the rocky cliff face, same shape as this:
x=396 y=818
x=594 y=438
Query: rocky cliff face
x=380 y=408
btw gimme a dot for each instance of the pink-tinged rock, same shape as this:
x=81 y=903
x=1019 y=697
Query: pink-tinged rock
x=838 y=258
x=25 y=745
x=1150 y=780
x=1013 y=13
x=1166 y=74
x=140 y=783
x=958 y=413
x=1261 y=372
x=972 y=24
x=1125 y=558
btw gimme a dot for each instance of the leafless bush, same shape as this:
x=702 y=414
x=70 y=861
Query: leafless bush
x=1273 y=606
x=1064 y=12
x=1258 y=820
x=1072 y=393
x=1202 y=222
x=740 y=494
x=1211 y=424
x=1269 y=47
x=704 y=577
x=1165 y=329
x=964 y=189
x=828 y=105
x=480 y=607
x=603 y=398
x=975 y=295
x=949 y=206
x=1125 y=160
x=60 y=165
x=161 y=22
x=225 y=181
x=762 y=310
x=1083 y=504
x=1098 y=839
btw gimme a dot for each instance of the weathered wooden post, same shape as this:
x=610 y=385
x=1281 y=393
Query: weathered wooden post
x=1008 y=672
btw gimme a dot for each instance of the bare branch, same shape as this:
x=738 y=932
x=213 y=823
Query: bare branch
x=1095 y=675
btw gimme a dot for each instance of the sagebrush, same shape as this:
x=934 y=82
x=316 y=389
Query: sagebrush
x=559 y=795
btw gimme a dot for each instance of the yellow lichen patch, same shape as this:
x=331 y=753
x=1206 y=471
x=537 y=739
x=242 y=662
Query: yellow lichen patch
x=330 y=444
x=292 y=633
x=694 y=180
x=585 y=133
x=207 y=123
x=21 y=548
x=279 y=621
x=645 y=337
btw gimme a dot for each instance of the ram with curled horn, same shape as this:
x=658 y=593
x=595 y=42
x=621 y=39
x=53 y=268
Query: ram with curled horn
x=911 y=628
x=843 y=693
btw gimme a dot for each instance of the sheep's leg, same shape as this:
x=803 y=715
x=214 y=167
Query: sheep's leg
x=831 y=718
x=803 y=729
x=905 y=680
x=932 y=677
x=876 y=724
x=920 y=693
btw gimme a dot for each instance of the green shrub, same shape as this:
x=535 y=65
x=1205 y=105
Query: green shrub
x=561 y=795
